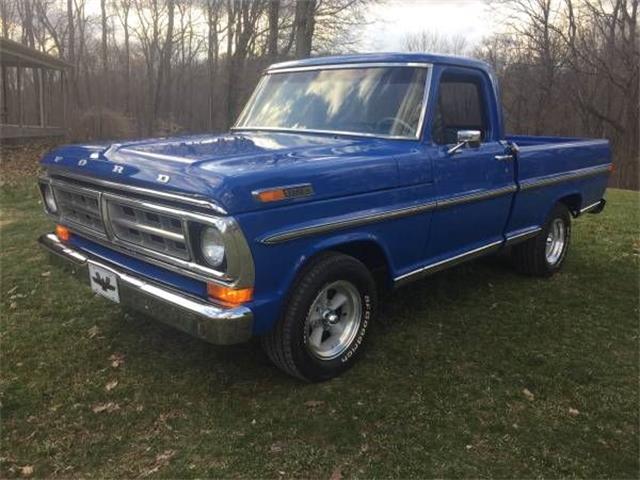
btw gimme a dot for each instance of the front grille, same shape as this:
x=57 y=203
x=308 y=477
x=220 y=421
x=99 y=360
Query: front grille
x=80 y=207
x=148 y=228
x=156 y=227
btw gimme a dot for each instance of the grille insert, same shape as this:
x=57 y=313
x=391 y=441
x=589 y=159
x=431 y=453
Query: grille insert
x=79 y=207
x=152 y=230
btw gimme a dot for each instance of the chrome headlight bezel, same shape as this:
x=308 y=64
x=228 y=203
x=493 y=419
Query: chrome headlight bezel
x=48 y=199
x=212 y=247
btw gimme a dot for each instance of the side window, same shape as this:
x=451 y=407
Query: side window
x=461 y=106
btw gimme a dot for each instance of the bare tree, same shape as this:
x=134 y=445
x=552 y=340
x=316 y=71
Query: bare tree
x=434 y=42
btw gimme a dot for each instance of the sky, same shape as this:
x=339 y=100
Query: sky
x=390 y=21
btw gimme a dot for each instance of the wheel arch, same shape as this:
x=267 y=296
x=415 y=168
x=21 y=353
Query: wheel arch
x=366 y=248
x=573 y=201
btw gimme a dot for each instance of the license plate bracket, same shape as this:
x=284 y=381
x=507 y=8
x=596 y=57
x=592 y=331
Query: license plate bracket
x=104 y=283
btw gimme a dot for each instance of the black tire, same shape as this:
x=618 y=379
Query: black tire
x=530 y=256
x=287 y=344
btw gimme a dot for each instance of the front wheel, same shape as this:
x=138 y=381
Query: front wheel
x=326 y=319
x=544 y=254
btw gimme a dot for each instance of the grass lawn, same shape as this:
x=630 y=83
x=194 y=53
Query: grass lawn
x=475 y=372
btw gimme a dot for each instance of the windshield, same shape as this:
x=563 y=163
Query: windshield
x=378 y=101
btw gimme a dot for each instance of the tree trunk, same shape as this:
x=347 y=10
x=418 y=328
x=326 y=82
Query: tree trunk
x=304 y=25
x=272 y=39
x=104 y=53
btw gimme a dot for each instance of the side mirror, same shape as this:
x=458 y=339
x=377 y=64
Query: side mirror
x=466 y=138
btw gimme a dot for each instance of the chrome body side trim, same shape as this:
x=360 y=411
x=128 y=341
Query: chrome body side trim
x=522 y=236
x=594 y=206
x=208 y=321
x=367 y=218
x=476 y=196
x=343 y=223
x=343 y=66
x=446 y=263
x=170 y=196
x=564 y=177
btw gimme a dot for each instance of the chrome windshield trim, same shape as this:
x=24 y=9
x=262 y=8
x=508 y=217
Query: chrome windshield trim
x=342 y=66
x=323 y=132
x=342 y=223
x=548 y=180
x=446 y=263
x=171 y=196
x=347 y=66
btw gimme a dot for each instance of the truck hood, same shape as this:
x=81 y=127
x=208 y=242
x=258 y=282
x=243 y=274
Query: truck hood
x=228 y=168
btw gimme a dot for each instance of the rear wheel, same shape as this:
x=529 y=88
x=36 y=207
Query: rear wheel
x=544 y=254
x=326 y=319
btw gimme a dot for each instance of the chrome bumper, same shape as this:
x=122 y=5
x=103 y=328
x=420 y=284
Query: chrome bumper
x=218 y=325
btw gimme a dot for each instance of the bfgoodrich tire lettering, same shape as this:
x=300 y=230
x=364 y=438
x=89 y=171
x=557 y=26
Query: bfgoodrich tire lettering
x=291 y=344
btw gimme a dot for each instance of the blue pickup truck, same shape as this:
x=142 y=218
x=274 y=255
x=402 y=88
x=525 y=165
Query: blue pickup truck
x=343 y=176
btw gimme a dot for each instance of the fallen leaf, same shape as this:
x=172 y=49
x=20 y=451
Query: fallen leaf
x=574 y=412
x=161 y=460
x=336 y=475
x=314 y=403
x=165 y=456
x=527 y=393
x=111 y=385
x=93 y=331
x=26 y=471
x=13 y=305
x=276 y=447
x=45 y=274
x=116 y=359
x=105 y=407
x=12 y=290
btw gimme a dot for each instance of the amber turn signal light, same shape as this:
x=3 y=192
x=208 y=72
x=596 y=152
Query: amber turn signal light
x=271 y=195
x=229 y=296
x=63 y=233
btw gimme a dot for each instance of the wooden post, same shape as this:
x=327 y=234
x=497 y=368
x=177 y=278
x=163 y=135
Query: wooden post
x=20 y=96
x=4 y=114
x=63 y=77
x=41 y=96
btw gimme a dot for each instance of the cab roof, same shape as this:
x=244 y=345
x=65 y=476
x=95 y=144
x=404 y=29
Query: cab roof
x=384 y=58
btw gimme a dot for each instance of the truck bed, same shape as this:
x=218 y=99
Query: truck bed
x=550 y=168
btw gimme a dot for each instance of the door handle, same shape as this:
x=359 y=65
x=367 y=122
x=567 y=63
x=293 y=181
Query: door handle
x=503 y=158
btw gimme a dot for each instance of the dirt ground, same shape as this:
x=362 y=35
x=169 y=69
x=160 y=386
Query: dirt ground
x=20 y=160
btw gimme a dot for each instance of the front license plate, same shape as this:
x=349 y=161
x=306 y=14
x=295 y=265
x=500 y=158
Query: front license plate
x=104 y=283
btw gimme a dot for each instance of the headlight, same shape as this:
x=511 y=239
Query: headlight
x=212 y=245
x=49 y=199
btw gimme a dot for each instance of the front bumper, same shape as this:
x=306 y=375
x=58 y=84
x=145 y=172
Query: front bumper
x=218 y=325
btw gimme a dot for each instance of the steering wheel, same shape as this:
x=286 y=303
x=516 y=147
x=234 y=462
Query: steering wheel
x=393 y=120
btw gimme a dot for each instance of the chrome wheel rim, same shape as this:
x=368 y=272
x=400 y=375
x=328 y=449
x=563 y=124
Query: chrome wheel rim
x=556 y=240
x=333 y=320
